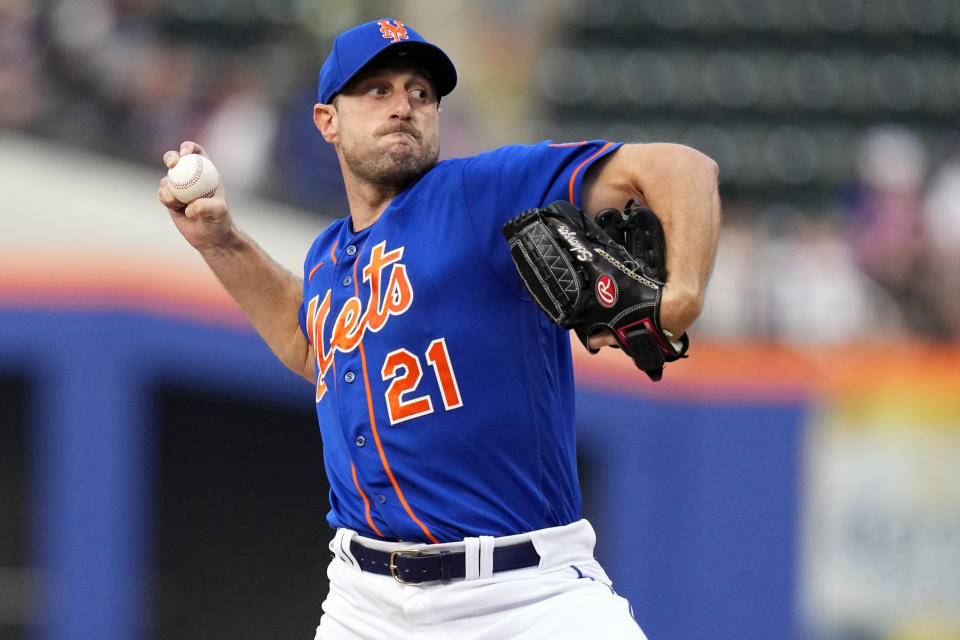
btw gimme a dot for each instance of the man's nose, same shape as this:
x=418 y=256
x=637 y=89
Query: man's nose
x=401 y=107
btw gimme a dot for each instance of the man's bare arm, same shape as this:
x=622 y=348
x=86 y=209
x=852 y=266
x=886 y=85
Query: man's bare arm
x=680 y=185
x=267 y=293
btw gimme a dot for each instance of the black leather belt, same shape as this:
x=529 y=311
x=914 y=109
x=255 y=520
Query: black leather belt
x=412 y=566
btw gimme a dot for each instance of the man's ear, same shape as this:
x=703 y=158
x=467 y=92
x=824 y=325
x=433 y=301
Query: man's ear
x=325 y=119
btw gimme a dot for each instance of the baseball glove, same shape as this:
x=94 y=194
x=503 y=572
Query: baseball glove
x=581 y=275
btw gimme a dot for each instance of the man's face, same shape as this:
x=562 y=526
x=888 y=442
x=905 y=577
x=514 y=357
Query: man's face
x=388 y=123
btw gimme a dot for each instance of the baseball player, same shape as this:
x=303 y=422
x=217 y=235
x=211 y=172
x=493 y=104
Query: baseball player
x=445 y=397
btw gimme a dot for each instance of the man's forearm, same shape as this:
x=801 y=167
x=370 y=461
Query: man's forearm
x=680 y=185
x=682 y=190
x=268 y=294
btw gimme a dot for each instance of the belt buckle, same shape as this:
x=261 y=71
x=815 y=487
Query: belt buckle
x=413 y=553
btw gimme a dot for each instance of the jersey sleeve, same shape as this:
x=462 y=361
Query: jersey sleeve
x=302 y=320
x=314 y=260
x=302 y=312
x=500 y=184
x=524 y=176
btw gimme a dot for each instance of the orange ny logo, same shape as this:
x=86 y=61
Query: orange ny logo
x=396 y=31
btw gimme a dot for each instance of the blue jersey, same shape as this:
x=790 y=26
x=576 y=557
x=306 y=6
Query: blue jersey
x=444 y=395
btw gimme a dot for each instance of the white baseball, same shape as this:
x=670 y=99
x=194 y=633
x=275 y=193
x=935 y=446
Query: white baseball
x=194 y=176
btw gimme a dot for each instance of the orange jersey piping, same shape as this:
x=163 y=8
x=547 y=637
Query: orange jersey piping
x=366 y=503
x=373 y=425
x=573 y=178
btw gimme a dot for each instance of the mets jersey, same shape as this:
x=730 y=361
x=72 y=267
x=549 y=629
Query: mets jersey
x=444 y=395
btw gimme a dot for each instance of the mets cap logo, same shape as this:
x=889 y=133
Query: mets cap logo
x=606 y=291
x=394 y=32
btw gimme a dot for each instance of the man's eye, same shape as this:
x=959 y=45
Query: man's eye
x=376 y=91
x=419 y=94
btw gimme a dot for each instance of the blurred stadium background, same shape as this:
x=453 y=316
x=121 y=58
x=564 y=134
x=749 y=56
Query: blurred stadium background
x=798 y=477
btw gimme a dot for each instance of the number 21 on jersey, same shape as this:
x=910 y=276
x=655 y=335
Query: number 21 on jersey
x=404 y=369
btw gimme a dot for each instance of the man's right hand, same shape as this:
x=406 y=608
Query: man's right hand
x=205 y=222
x=267 y=293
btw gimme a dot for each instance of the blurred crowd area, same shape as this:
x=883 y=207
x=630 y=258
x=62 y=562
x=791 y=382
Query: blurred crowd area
x=132 y=78
x=880 y=261
x=834 y=123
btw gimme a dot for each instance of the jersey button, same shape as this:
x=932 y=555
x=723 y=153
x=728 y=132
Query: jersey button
x=382 y=499
x=347 y=281
x=349 y=376
x=360 y=441
x=352 y=249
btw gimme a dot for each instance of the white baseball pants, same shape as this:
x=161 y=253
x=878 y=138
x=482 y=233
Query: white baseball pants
x=567 y=596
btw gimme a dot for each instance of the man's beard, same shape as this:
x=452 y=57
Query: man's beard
x=397 y=167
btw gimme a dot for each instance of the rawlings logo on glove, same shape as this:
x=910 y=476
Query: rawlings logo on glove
x=581 y=275
x=606 y=291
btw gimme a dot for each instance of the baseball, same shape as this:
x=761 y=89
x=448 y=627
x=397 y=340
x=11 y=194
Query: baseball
x=194 y=176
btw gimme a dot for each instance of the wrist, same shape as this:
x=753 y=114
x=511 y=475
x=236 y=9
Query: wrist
x=223 y=246
x=679 y=307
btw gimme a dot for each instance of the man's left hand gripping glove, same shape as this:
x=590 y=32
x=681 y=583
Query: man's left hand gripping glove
x=584 y=280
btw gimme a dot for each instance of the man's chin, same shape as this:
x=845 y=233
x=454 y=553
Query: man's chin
x=397 y=164
x=402 y=170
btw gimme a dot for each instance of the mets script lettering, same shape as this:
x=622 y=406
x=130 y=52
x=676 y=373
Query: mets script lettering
x=390 y=295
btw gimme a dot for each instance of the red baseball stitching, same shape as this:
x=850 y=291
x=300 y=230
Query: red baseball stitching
x=197 y=172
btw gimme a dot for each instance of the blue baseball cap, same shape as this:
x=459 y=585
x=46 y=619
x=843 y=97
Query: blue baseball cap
x=356 y=48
